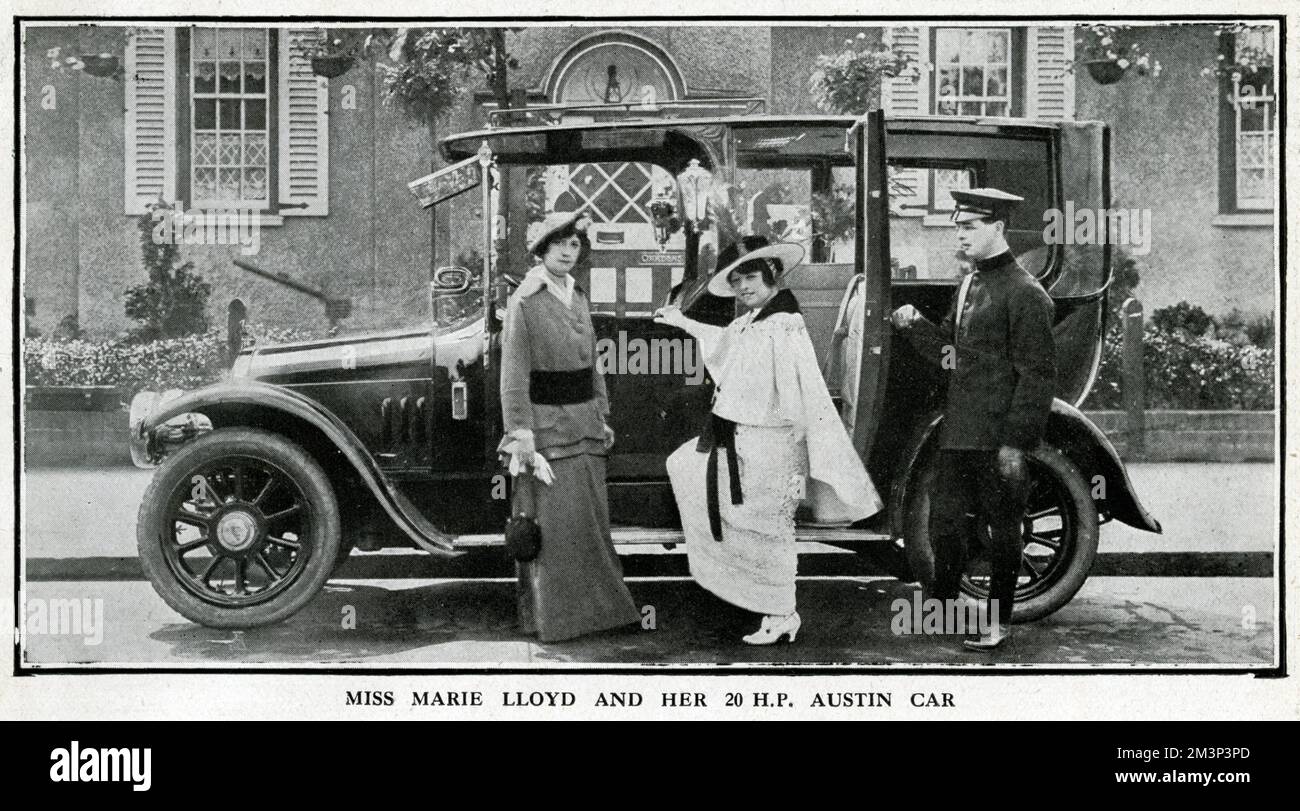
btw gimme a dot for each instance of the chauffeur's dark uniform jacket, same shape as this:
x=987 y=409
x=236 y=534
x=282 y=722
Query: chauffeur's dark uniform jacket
x=1000 y=390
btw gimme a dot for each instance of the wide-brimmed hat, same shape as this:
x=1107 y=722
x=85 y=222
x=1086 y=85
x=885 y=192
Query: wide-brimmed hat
x=557 y=221
x=977 y=204
x=750 y=249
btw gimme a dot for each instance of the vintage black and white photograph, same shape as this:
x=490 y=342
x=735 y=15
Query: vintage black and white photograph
x=646 y=345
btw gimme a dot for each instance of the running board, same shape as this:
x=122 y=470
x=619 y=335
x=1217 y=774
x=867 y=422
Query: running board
x=633 y=536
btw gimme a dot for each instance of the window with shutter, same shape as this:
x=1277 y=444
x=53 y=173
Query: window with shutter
x=225 y=118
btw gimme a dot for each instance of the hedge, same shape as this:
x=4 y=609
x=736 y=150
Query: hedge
x=182 y=363
x=1189 y=372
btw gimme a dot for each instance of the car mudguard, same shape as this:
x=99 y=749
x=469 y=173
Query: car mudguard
x=247 y=402
x=1076 y=436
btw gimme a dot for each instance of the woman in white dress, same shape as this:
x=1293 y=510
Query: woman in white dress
x=773 y=439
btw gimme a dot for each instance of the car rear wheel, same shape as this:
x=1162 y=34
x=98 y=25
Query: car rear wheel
x=1060 y=532
x=239 y=528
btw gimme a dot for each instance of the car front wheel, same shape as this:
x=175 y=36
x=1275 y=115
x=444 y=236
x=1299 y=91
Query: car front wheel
x=239 y=528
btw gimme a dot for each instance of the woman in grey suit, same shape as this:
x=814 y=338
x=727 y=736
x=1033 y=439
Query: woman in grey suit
x=554 y=403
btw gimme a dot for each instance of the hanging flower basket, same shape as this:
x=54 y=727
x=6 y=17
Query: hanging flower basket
x=331 y=67
x=101 y=65
x=1104 y=71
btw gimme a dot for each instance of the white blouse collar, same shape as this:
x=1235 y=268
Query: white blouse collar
x=563 y=292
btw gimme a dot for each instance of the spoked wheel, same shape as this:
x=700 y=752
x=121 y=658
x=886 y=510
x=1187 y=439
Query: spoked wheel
x=238 y=529
x=1059 y=531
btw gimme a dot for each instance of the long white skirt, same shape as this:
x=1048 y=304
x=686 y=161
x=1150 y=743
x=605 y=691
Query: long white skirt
x=755 y=563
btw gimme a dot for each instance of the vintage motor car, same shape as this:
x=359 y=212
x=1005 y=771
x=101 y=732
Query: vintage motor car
x=267 y=480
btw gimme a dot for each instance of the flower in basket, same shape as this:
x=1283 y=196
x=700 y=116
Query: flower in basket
x=1110 y=51
x=1252 y=62
x=850 y=80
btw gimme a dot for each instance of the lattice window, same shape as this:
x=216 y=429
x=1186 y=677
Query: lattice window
x=1254 y=108
x=230 y=150
x=972 y=71
x=613 y=192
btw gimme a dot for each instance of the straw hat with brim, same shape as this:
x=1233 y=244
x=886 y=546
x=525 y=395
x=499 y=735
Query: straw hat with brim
x=557 y=221
x=750 y=249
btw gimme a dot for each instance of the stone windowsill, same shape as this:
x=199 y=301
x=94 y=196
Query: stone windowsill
x=1262 y=219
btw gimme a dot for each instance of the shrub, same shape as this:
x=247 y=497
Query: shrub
x=1185 y=369
x=173 y=302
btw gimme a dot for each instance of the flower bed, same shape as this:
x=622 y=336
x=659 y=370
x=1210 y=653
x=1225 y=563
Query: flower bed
x=181 y=363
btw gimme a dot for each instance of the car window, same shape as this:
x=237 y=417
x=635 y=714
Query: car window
x=923 y=173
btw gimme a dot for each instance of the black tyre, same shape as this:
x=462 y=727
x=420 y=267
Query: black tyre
x=1060 y=531
x=240 y=528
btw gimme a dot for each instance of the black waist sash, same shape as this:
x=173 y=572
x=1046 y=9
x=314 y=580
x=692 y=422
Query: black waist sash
x=719 y=433
x=560 y=388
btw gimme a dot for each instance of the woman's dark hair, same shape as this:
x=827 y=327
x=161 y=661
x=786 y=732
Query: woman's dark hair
x=564 y=233
x=769 y=267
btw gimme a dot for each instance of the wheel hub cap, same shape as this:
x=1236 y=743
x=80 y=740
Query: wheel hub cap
x=237 y=530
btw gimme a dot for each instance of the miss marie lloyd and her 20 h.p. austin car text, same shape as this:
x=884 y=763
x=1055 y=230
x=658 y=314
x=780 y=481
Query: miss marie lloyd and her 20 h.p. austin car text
x=268 y=479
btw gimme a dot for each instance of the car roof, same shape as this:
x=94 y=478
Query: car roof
x=928 y=122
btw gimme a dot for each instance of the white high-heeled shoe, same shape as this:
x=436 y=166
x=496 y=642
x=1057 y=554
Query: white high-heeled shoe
x=773 y=628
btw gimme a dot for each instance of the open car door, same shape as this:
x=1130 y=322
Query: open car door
x=865 y=330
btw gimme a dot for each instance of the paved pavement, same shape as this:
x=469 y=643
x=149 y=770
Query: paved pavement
x=1114 y=621
x=79 y=544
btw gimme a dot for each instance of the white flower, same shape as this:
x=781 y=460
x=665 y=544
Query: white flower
x=1106 y=40
x=1123 y=63
x=52 y=53
x=1111 y=55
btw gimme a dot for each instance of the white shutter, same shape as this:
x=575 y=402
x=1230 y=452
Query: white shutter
x=909 y=95
x=150 y=136
x=303 y=123
x=1050 y=88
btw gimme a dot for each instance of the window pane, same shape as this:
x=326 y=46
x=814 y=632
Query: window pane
x=255 y=114
x=997 y=85
x=254 y=44
x=972 y=108
x=972 y=81
x=205 y=77
x=229 y=115
x=205 y=149
x=204 y=43
x=948 y=41
x=205 y=184
x=205 y=114
x=254 y=77
x=255 y=184
x=230 y=151
x=255 y=152
x=229 y=184
x=228 y=73
x=996 y=108
x=229 y=43
x=997 y=46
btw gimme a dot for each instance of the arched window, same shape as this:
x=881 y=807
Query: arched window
x=614 y=67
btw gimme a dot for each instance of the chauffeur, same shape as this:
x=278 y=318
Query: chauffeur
x=996 y=342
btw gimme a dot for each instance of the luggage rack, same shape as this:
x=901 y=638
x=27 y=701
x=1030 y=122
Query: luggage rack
x=553 y=114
